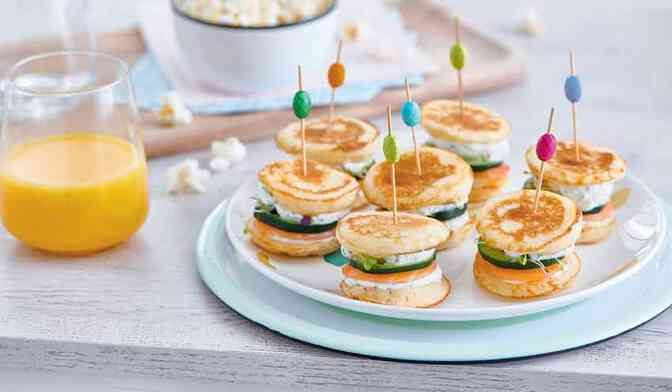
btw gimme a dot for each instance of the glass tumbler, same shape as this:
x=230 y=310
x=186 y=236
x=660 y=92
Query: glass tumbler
x=73 y=174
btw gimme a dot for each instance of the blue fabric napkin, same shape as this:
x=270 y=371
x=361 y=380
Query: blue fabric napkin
x=150 y=84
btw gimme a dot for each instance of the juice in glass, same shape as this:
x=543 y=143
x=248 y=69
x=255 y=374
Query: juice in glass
x=73 y=193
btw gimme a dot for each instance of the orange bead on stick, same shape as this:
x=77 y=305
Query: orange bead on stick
x=336 y=75
x=336 y=78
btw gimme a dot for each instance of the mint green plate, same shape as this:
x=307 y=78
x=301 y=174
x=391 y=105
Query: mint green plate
x=616 y=310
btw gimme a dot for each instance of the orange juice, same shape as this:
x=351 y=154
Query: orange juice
x=73 y=193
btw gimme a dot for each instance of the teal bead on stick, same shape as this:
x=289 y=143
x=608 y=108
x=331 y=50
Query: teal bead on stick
x=410 y=113
x=412 y=116
x=302 y=106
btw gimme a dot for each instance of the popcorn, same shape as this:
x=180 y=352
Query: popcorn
x=219 y=164
x=231 y=150
x=531 y=24
x=173 y=111
x=253 y=13
x=187 y=177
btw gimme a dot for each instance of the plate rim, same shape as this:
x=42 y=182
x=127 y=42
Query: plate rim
x=446 y=314
x=233 y=295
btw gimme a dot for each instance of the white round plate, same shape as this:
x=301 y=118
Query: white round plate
x=638 y=238
x=616 y=310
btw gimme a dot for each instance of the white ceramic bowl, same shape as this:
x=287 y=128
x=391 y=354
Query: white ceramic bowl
x=249 y=59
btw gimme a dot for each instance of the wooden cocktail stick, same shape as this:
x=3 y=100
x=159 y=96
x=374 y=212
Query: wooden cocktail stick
x=302 y=106
x=545 y=151
x=391 y=156
x=573 y=94
x=336 y=77
x=410 y=113
x=460 y=88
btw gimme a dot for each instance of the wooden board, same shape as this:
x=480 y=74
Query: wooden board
x=491 y=65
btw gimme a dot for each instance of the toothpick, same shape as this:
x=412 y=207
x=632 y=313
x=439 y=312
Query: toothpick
x=418 y=164
x=303 y=131
x=541 y=170
x=460 y=89
x=572 y=67
x=333 y=89
x=394 y=174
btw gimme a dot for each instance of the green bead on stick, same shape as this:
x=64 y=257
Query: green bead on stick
x=390 y=149
x=458 y=58
x=302 y=106
x=391 y=152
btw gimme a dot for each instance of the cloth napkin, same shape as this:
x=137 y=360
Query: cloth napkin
x=380 y=57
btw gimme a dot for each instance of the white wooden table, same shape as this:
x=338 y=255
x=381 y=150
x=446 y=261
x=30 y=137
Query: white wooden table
x=138 y=317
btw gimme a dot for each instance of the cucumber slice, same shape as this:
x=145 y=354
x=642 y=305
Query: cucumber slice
x=391 y=268
x=502 y=260
x=360 y=174
x=595 y=210
x=449 y=214
x=483 y=166
x=273 y=219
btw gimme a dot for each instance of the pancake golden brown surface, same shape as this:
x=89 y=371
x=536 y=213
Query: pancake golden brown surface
x=323 y=189
x=598 y=226
x=509 y=222
x=442 y=120
x=512 y=283
x=597 y=165
x=445 y=178
x=374 y=233
x=279 y=241
x=344 y=140
x=415 y=297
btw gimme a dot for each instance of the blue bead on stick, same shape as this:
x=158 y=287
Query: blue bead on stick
x=573 y=94
x=573 y=88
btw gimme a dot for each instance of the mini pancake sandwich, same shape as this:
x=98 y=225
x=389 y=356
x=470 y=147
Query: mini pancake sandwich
x=523 y=253
x=346 y=143
x=441 y=192
x=589 y=182
x=297 y=215
x=480 y=137
x=392 y=264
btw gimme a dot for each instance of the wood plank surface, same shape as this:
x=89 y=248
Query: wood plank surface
x=138 y=318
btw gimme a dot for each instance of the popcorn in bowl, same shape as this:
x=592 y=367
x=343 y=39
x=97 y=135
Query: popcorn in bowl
x=253 y=13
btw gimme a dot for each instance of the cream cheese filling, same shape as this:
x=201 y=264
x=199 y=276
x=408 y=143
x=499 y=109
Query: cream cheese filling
x=495 y=152
x=586 y=197
x=431 y=210
x=543 y=256
x=402 y=259
x=321 y=219
x=434 y=277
